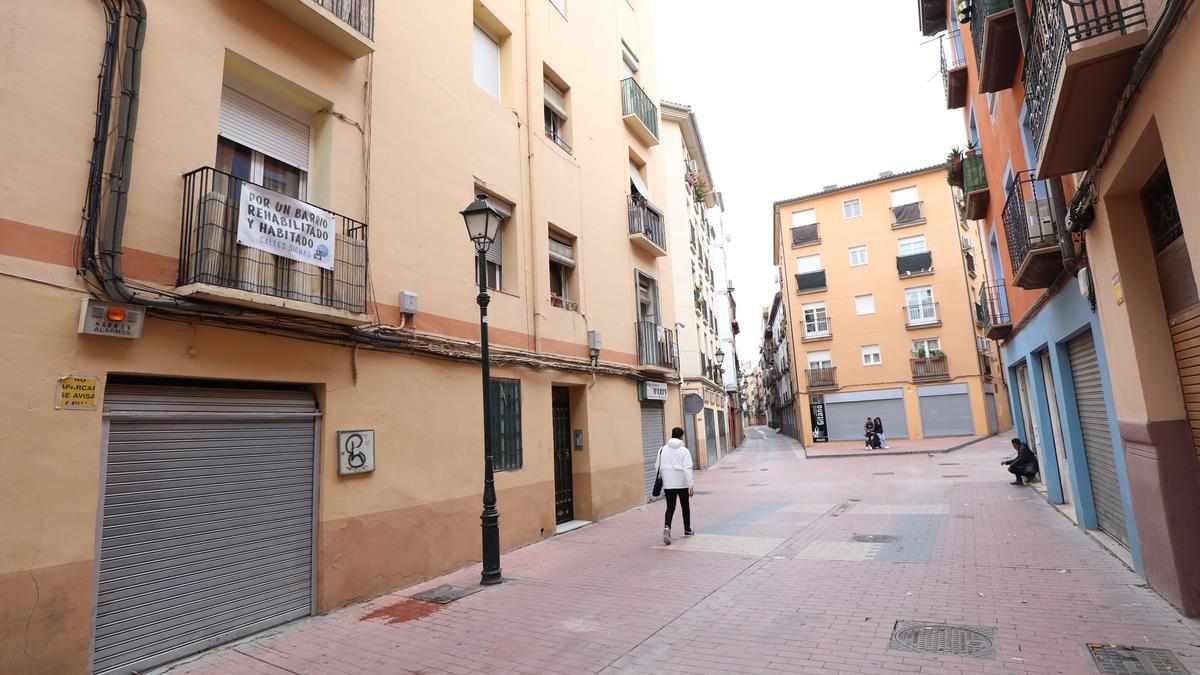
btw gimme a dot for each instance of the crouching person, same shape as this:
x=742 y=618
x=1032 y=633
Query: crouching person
x=1024 y=465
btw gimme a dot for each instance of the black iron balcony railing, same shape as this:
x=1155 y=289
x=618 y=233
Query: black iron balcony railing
x=970 y=260
x=634 y=101
x=209 y=252
x=1056 y=27
x=908 y=214
x=954 y=73
x=930 y=368
x=656 y=345
x=810 y=281
x=805 y=234
x=921 y=315
x=822 y=377
x=980 y=316
x=914 y=263
x=980 y=11
x=645 y=219
x=358 y=14
x=817 y=329
x=993 y=308
x=1032 y=229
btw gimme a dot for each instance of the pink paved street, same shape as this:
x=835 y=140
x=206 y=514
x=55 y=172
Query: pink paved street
x=774 y=581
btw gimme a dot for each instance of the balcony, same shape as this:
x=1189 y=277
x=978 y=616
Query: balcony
x=805 y=235
x=921 y=315
x=907 y=215
x=810 y=282
x=1033 y=231
x=969 y=259
x=646 y=229
x=1077 y=64
x=975 y=185
x=818 y=331
x=932 y=15
x=214 y=266
x=915 y=264
x=954 y=75
x=348 y=25
x=930 y=368
x=822 y=378
x=993 y=306
x=639 y=112
x=656 y=346
x=997 y=43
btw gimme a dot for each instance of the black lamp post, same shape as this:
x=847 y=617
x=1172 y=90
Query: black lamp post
x=720 y=358
x=483 y=221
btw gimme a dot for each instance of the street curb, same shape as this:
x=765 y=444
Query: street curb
x=943 y=451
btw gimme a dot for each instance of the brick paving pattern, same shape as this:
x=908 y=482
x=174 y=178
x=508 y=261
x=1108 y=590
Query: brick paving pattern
x=773 y=582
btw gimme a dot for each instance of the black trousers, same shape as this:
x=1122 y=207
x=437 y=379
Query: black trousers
x=1022 y=470
x=682 y=495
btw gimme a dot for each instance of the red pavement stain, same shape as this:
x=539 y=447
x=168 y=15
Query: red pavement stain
x=403 y=611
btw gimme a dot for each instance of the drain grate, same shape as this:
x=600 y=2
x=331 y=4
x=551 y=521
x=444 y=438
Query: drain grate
x=954 y=475
x=947 y=463
x=936 y=638
x=445 y=594
x=1118 y=660
x=884 y=473
x=875 y=538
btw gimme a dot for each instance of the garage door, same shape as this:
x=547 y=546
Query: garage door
x=945 y=410
x=710 y=437
x=1097 y=438
x=993 y=418
x=206 y=533
x=653 y=438
x=846 y=413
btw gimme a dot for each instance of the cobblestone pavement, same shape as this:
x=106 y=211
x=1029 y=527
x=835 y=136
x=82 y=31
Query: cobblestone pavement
x=799 y=566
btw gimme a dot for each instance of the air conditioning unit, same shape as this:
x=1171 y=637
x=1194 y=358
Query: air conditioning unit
x=1041 y=218
x=984 y=344
x=966 y=244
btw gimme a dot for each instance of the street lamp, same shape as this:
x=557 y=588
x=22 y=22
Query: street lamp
x=483 y=219
x=720 y=357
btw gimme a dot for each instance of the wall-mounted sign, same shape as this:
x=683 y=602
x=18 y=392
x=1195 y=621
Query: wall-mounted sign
x=1118 y=290
x=111 y=319
x=287 y=227
x=816 y=409
x=652 y=391
x=356 y=451
x=76 y=392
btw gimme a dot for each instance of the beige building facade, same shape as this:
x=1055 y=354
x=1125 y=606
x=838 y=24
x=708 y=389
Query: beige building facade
x=220 y=459
x=879 y=282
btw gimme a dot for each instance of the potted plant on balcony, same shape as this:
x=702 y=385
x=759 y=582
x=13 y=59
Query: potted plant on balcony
x=954 y=170
x=698 y=187
x=919 y=354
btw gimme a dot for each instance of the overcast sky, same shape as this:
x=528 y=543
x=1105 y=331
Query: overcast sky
x=793 y=95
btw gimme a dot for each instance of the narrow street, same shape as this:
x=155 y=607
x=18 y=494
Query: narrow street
x=798 y=566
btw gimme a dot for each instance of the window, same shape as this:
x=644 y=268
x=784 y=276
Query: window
x=851 y=208
x=928 y=347
x=486 y=65
x=816 y=322
x=858 y=256
x=864 y=304
x=808 y=263
x=561 y=6
x=262 y=145
x=805 y=217
x=555 y=113
x=821 y=359
x=506 y=425
x=562 y=269
x=871 y=355
x=647 y=299
x=629 y=63
x=495 y=252
x=912 y=245
x=920 y=306
x=904 y=196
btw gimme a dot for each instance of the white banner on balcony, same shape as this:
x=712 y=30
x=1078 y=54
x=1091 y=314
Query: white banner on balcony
x=287 y=227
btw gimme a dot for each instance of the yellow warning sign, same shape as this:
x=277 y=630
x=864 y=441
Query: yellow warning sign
x=76 y=393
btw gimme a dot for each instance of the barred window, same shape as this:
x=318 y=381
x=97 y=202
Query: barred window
x=506 y=425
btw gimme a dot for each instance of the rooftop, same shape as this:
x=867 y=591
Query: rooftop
x=882 y=178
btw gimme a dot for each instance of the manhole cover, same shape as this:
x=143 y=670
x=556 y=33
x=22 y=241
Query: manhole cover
x=954 y=475
x=936 y=638
x=884 y=473
x=446 y=594
x=1120 y=660
x=875 y=538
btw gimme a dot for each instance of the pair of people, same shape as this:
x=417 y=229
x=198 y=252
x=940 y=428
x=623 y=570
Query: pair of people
x=1024 y=465
x=873 y=430
x=674 y=466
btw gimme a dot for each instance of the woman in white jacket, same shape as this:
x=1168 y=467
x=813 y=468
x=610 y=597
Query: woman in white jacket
x=674 y=464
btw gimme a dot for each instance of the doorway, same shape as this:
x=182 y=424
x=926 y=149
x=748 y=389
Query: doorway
x=564 y=484
x=1060 y=448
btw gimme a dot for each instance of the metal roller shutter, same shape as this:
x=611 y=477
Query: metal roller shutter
x=1097 y=439
x=844 y=419
x=260 y=127
x=653 y=438
x=206 y=533
x=945 y=410
x=710 y=436
x=721 y=431
x=993 y=418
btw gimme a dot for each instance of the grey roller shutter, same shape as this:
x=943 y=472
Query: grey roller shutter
x=945 y=410
x=206 y=533
x=710 y=436
x=844 y=419
x=652 y=440
x=989 y=402
x=258 y=126
x=495 y=252
x=1097 y=438
x=721 y=430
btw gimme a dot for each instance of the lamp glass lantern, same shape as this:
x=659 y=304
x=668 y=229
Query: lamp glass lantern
x=483 y=220
x=720 y=358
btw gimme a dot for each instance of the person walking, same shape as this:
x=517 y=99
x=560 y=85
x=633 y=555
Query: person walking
x=869 y=433
x=879 y=432
x=674 y=466
x=1024 y=465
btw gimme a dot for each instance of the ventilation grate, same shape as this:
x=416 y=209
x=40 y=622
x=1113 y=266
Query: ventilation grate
x=936 y=638
x=1118 y=660
x=875 y=538
x=446 y=593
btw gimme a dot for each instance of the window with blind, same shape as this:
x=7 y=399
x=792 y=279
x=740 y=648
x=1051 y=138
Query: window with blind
x=506 y=425
x=486 y=62
x=555 y=114
x=562 y=269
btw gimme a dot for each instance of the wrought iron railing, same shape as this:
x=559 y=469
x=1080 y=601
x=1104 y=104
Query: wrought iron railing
x=1029 y=221
x=920 y=314
x=656 y=345
x=1056 y=27
x=993 y=305
x=980 y=11
x=970 y=260
x=645 y=219
x=954 y=62
x=209 y=252
x=980 y=316
x=914 y=263
x=974 y=173
x=930 y=367
x=821 y=377
x=805 y=234
x=634 y=101
x=358 y=14
x=810 y=281
x=908 y=214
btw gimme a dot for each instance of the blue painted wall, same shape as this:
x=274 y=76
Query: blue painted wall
x=1064 y=317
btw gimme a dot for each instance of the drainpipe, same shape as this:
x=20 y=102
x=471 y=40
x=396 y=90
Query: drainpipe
x=1022 y=15
x=1058 y=209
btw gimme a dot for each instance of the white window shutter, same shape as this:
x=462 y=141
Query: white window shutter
x=260 y=127
x=555 y=99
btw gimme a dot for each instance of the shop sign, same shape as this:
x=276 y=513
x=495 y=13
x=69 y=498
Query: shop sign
x=278 y=224
x=816 y=407
x=356 y=451
x=652 y=391
x=77 y=392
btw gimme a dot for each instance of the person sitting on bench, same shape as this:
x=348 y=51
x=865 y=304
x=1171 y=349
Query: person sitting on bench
x=1024 y=465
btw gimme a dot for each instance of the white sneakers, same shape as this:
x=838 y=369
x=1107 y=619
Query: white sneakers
x=667 y=536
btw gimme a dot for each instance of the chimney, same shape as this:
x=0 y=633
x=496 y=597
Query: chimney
x=886 y=174
x=827 y=188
